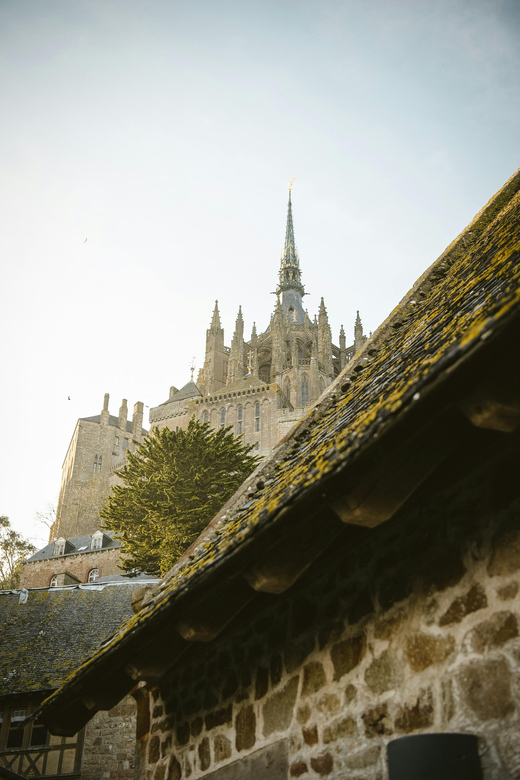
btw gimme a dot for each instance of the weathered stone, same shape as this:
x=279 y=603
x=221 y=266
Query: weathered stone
x=506 y=555
x=329 y=704
x=377 y=721
x=423 y=650
x=323 y=764
x=486 y=688
x=218 y=718
x=175 y=771
x=384 y=673
x=346 y=727
x=366 y=758
x=495 y=632
x=222 y=748
x=346 y=655
x=329 y=633
x=157 y=711
x=204 y=754
x=508 y=592
x=262 y=682
x=472 y=601
x=448 y=701
x=154 y=750
x=303 y=714
x=303 y=615
x=230 y=686
x=419 y=715
x=166 y=746
x=297 y=652
x=298 y=768
x=313 y=678
x=310 y=735
x=350 y=693
x=386 y=626
x=160 y=772
x=275 y=669
x=196 y=726
x=278 y=708
x=182 y=734
x=245 y=728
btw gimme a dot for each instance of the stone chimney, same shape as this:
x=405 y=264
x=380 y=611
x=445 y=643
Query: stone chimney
x=123 y=414
x=137 y=420
x=104 y=414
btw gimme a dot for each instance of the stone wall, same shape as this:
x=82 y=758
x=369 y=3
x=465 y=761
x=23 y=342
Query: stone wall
x=410 y=627
x=108 y=752
x=37 y=574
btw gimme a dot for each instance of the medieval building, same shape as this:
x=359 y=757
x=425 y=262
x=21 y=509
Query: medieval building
x=262 y=385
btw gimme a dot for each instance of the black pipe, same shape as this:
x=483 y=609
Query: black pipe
x=434 y=757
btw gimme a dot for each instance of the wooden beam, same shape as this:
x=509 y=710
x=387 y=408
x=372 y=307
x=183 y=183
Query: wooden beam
x=207 y=618
x=496 y=407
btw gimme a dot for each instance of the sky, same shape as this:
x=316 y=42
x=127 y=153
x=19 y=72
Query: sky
x=145 y=154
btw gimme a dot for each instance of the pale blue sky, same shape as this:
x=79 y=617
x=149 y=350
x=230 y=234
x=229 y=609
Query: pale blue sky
x=166 y=133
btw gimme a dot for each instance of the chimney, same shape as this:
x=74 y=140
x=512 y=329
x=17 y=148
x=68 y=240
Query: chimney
x=104 y=414
x=137 y=420
x=123 y=414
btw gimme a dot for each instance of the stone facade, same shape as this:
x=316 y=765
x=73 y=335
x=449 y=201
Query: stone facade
x=98 y=446
x=70 y=568
x=108 y=753
x=415 y=628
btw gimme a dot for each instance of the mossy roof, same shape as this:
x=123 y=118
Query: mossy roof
x=44 y=639
x=78 y=545
x=472 y=290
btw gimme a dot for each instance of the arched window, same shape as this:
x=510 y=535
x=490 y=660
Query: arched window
x=93 y=575
x=305 y=390
x=95 y=464
x=239 y=420
x=206 y=417
x=222 y=418
x=257 y=417
x=99 y=464
x=54 y=581
x=97 y=541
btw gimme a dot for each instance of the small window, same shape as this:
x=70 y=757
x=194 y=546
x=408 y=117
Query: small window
x=97 y=541
x=125 y=444
x=305 y=390
x=59 y=547
x=206 y=416
x=93 y=575
x=222 y=418
x=54 y=581
x=99 y=464
x=15 y=736
x=239 y=420
x=116 y=441
x=95 y=465
x=257 y=417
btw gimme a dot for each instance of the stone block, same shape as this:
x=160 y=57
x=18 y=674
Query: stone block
x=160 y=772
x=447 y=701
x=508 y=592
x=262 y=682
x=303 y=714
x=472 y=601
x=377 y=721
x=218 y=718
x=384 y=673
x=182 y=734
x=204 y=754
x=366 y=758
x=222 y=748
x=275 y=669
x=279 y=707
x=313 y=678
x=339 y=729
x=322 y=764
x=486 y=688
x=310 y=735
x=196 y=726
x=505 y=558
x=423 y=650
x=298 y=768
x=297 y=652
x=174 y=771
x=245 y=728
x=386 y=626
x=329 y=704
x=154 y=749
x=416 y=716
x=495 y=632
x=346 y=655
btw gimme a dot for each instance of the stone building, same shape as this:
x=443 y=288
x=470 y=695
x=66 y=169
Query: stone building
x=46 y=633
x=98 y=446
x=364 y=583
x=263 y=385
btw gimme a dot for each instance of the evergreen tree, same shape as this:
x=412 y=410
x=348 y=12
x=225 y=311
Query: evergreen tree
x=14 y=549
x=173 y=485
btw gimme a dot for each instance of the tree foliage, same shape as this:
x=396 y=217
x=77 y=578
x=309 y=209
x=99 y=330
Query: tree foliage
x=173 y=485
x=14 y=549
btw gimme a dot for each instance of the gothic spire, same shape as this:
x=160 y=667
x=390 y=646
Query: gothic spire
x=215 y=321
x=290 y=273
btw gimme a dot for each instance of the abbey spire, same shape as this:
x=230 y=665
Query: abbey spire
x=290 y=288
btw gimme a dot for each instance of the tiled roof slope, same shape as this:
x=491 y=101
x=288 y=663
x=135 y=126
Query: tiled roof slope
x=81 y=544
x=44 y=639
x=470 y=293
x=112 y=420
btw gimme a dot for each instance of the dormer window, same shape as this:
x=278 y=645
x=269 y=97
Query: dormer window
x=54 y=581
x=97 y=541
x=59 y=547
x=93 y=575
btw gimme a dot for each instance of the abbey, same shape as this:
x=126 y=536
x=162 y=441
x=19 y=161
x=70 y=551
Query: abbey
x=262 y=386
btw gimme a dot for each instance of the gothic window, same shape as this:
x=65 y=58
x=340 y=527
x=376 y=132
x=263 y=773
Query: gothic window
x=206 y=417
x=222 y=418
x=95 y=465
x=305 y=390
x=99 y=464
x=54 y=581
x=239 y=420
x=257 y=417
x=93 y=575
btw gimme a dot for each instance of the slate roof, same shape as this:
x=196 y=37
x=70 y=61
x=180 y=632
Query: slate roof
x=112 y=420
x=459 y=308
x=78 y=543
x=44 y=639
x=190 y=390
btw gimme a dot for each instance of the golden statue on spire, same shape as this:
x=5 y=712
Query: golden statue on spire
x=291 y=183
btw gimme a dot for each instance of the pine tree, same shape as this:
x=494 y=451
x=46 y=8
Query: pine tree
x=173 y=485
